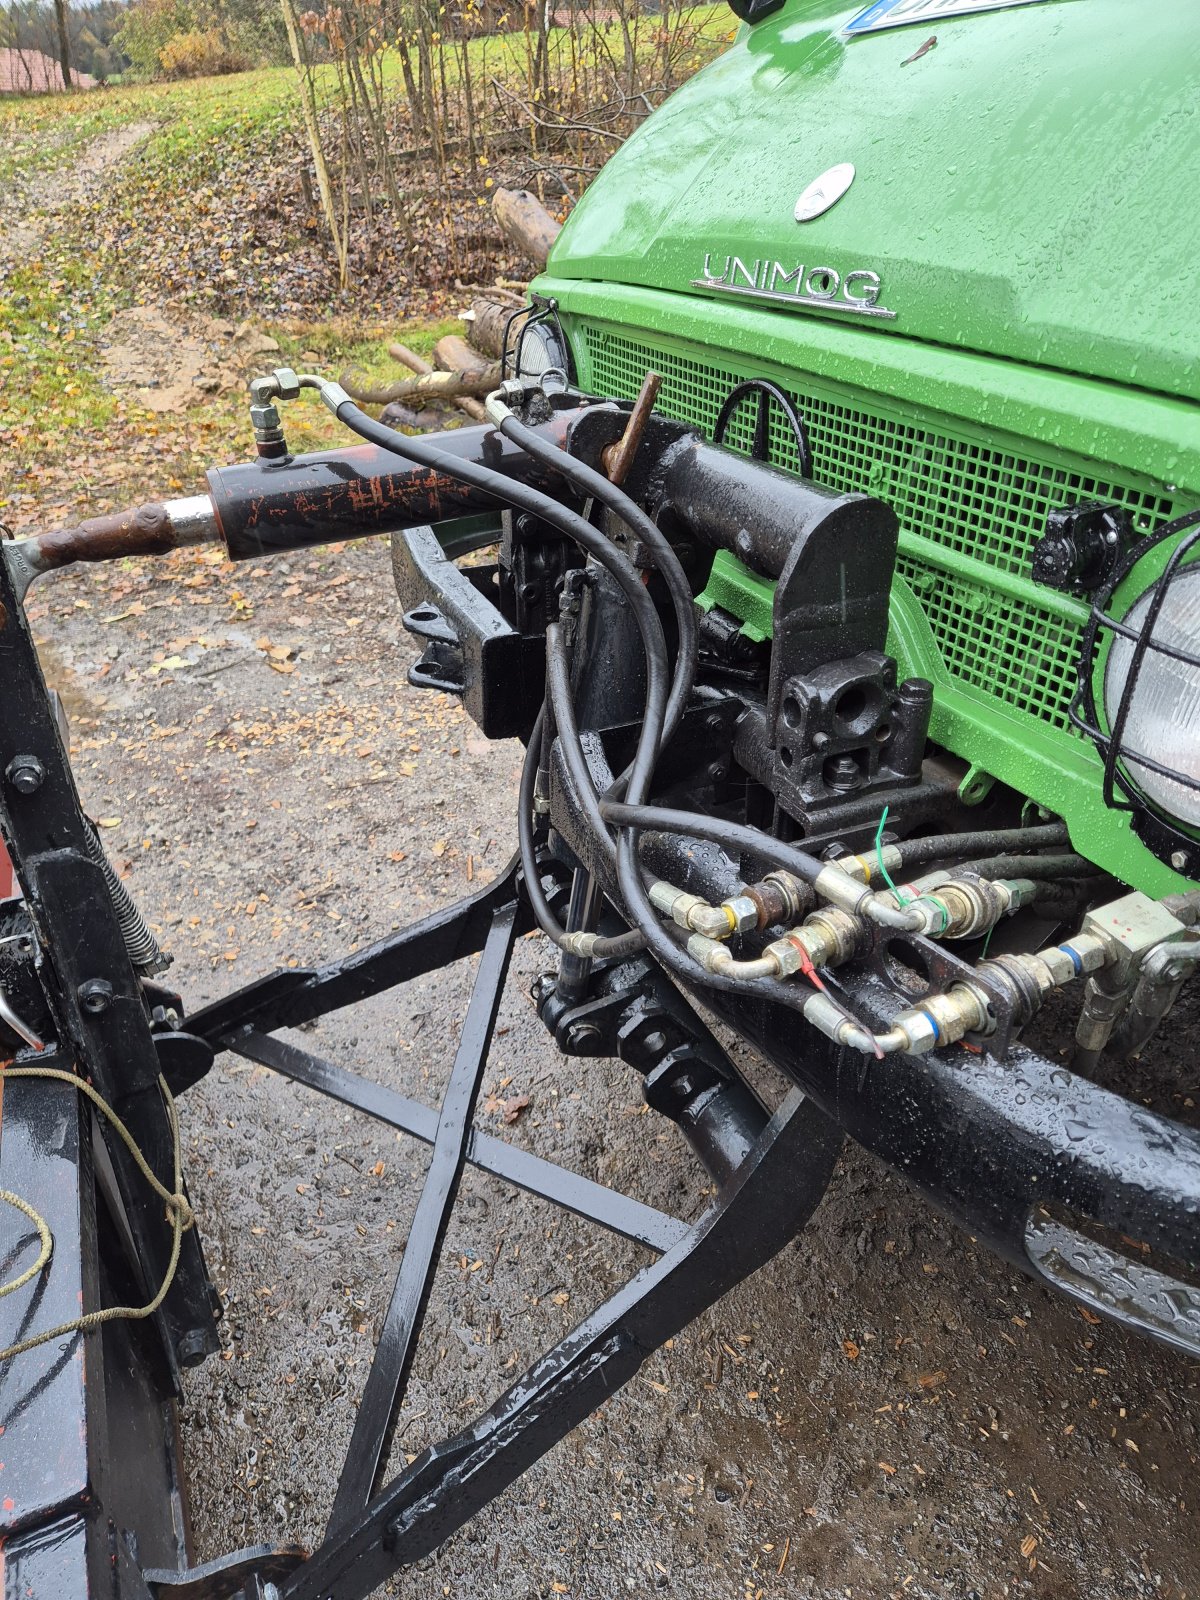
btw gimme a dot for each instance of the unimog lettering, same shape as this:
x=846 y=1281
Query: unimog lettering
x=768 y=279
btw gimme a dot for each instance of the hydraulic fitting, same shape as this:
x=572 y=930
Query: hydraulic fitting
x=691 y=911
x=836 y=886
x=830 y=1020
x=940 y=1019
x=824 y=938
x=1130 y=928
x=863 y=868
x=739 y=914
x=743 y=910
x=264 y=418
x=716 y=957
x=780 y=897
x=961 y=907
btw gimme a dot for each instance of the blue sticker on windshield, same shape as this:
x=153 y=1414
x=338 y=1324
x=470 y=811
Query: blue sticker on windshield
x=899 y=13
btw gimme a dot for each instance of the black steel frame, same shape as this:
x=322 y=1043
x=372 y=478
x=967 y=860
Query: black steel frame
x=98 y=1526
x=374 y=1532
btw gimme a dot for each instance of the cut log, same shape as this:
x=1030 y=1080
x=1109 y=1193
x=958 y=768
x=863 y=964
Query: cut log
x=415 y=363
x=398 y=415
x=424 y=386
x=526 y=222
x=486 y=322
x=452 y=353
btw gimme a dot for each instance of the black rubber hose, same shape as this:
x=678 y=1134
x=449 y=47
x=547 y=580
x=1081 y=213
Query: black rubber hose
x=658 y=724
x=990 y=841
x=661 y=714
x=591 y=483
x=730 y=835
x=1059 y=899
x=619 y=945
x=1051 y=868
x=558 y=687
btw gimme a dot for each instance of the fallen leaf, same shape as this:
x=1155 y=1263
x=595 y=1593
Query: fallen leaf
x=1028 y=1545
x=511 y=1110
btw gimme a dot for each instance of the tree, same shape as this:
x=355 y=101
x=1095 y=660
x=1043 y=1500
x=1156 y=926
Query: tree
x=64 y=41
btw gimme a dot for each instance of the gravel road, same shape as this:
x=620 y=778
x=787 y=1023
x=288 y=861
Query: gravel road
x=885 y=1410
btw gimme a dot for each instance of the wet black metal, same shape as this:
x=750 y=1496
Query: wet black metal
x=89 y=1436
x=397 y=1343
x=105 y=1030
x=634 y=1013
x=472 y=650
x=765 y=1206
x=616 y=1212
x=263 y=507
x=227 y=1577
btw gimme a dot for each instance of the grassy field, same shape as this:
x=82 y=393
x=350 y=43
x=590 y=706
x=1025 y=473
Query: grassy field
x=186 y=196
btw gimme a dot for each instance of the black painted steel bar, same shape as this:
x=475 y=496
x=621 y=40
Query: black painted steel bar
x=94 y=994
x=287 y=998
x=386 y=1381
x=763 y=1208
x=609 y=1209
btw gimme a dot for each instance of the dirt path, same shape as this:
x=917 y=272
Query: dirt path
x=32 y=201
x=886 y=1410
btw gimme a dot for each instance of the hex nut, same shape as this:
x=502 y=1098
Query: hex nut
x=264 y=416
x=287 y=383
x=744 y=913
x=95 y=995
x=920 y=1032
x=25 y=773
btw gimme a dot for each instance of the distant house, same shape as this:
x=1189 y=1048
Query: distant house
x=31 y=72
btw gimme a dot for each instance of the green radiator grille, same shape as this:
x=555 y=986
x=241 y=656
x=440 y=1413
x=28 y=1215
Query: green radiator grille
x=970 y=498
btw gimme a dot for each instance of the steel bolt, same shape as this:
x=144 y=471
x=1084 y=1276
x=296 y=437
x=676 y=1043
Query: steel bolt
x=95 y=995
x=1179 y=858
x=26 y=774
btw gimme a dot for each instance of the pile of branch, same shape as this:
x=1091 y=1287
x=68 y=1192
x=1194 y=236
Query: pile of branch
x=463 y=370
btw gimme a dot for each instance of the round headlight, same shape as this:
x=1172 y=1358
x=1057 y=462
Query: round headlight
x=541 y=348
x=1163 y=719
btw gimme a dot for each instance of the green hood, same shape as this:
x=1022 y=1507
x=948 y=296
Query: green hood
x=1026 y=188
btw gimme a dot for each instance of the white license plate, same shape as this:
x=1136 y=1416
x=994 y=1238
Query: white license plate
x=899 y=13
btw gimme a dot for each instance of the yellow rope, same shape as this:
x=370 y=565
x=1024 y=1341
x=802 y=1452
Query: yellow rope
x=43 y=1233
x=179 y=1213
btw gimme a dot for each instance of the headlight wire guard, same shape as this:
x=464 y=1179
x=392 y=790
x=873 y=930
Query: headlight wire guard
x=1161 y=833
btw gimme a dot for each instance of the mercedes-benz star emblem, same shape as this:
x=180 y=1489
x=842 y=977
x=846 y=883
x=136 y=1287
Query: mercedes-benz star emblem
x=824 y=191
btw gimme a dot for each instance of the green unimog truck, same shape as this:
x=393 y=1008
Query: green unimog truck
x=834 y=552
x=952 y=234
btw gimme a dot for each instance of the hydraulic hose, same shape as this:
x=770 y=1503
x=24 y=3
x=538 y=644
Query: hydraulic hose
x=1051 y=868
x=595 y=485
x=619 y=945
x=662 y=708
x=730 y=835
x=659 y=724
x=993 y=841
